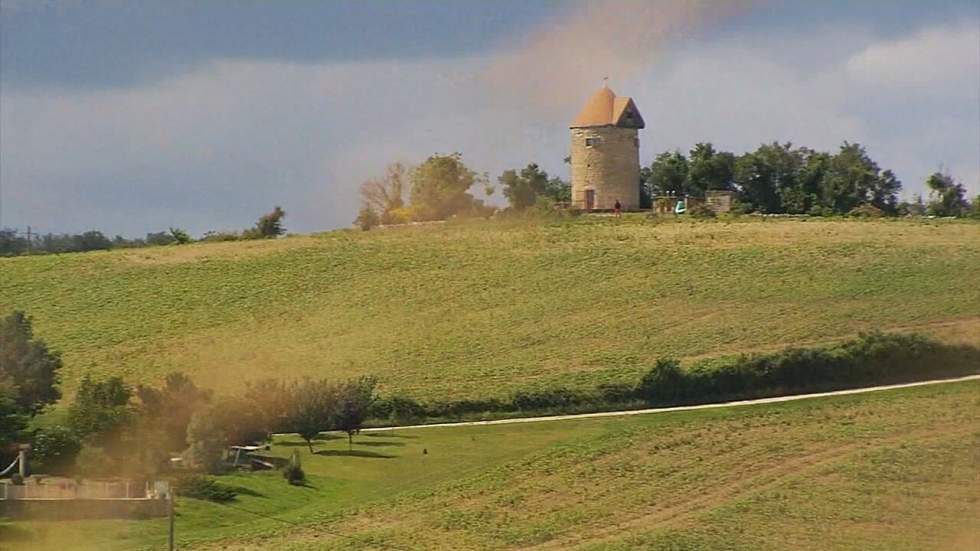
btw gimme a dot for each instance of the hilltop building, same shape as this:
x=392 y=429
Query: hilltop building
x=605 y=153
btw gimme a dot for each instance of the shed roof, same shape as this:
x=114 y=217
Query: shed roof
x=604 y=108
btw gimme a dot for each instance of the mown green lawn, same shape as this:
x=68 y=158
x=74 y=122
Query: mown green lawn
x=889 y=470
x=477 y=310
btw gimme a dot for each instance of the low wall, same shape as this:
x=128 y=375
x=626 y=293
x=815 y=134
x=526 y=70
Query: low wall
x=70 y=509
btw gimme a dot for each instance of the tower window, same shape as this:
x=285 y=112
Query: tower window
x=591 y=142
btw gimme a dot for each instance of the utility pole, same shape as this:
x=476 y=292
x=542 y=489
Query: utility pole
x=28 y=240
x=170 y=513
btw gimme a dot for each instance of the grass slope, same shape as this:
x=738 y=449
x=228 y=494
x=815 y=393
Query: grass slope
x=481 y=309
x=893 y=470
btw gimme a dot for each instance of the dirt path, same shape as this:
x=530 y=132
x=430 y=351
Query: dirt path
x=773 y=400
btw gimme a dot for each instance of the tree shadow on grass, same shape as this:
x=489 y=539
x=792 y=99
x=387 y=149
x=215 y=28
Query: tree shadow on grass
x=323 y=437
x=354 y=453
x=242 y=490
x=386 y=434
x=379 y=444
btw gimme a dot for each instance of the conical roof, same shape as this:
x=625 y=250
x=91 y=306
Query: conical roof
x=604 y=108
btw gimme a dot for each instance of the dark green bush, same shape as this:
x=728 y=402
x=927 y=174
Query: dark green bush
x=293 y=473
x=874 y=358
x=206 y=488
x=54 y=450
x=547 y=399
x=869 y=359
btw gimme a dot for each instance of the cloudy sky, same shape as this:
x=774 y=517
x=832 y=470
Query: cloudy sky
x=135 y=116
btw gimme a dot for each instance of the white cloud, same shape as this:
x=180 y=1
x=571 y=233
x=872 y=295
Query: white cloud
x=215 y=147
x=945 y=58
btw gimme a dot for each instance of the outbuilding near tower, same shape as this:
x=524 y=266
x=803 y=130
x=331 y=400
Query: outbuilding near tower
x=605 y=153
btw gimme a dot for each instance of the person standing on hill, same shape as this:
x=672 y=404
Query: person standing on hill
x=618 y=209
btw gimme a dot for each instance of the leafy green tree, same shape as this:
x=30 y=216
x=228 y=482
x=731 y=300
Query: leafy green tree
x=852 y=179
x=948 y=196
x=558 y=190
x=271 y=399
x=54 y=449
x=367 y=218
x=709 y=169
x=100 y=407
x=440 y=188
x=667 y=174
x=12 y=418
x=313 y=405
x=354 y=400
x=270 y=224
x=915 y=207
x=27 y=365
x=160 y=238
x=523 y=189
x=208 y=439
x=11 y=244
x=169 y=409
x=180 y=236
x=92 y=241
x=767 y=174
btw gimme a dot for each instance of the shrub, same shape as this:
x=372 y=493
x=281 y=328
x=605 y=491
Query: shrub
x=870 y=359
x=367 y=218
x=293 y=473
x=206 y=488
x=270 y=224
x=213 y=236
x=546 y=399
x=616 y=393
x=866 y=211
x=180 y=236
x=54 y=449
x=664 y=383
x=701 y=210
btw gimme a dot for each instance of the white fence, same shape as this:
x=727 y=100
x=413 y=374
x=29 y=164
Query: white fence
x=67 y=488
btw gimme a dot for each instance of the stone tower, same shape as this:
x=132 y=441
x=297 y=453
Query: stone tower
x=605 y=153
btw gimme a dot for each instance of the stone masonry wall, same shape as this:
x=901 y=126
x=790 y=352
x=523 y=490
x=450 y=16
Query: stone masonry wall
x=611 y=167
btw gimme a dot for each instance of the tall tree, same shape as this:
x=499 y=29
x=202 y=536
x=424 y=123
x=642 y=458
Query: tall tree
x=667 y=174
x=558 y=190
x=270 y=224
x=948 y=197
x=385 y=194
x=313 y=405
x=27 y=364
x=853 y=179
x=440 y=187
x=12 y=418
x=354 y=401
x=169 y=409
x=709 y=169
x=766 y=175
x=100 y=407
x=523 y=188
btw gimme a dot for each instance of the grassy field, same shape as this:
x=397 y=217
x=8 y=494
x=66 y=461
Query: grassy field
x=481 y=309
x=893 y=470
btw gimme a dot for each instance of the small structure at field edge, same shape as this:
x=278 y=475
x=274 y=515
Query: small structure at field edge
x=605 y=154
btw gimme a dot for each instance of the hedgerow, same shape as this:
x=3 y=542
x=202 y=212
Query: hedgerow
x=874 y=358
